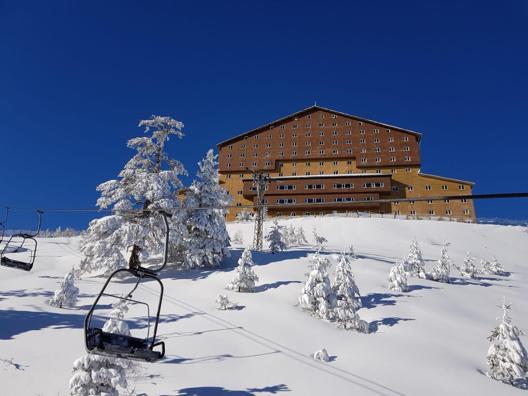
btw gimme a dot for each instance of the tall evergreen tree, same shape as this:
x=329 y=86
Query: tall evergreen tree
x=149 y=181
x=207 y=239
x=275 y=238
x=245 y=278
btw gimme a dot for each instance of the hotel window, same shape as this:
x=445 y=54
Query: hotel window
x=309 y=116
x=321 y=133
x=286 y=187
x=321 y=142
x=344 y=199
x=308 y=125
x=336 y=172
x=229 y=155
x=363 y=150
x=242 y=155
x=334 y=151
x=391 y=139
x=321 y=163
x=406 y=148
x=334 y=123
x=461 y=187
x=376 y=140
x=283 y=127
x=388 y=130
x=268 y=154
x=348 y=141
x=257 y=137
x=408 y=170
x=444 y=187
x=268 y=145
x=378 y=160
x=334 y=116
x=293 y=214
x=393 y=159
x=349 y=162
x=411 y=202
x=413 y=212
x=239 y=204
x=308 y=134
x=373 y=184
x=466 y=211
x=361 y=131
x=395 y=188
x=321 y=152
x=431 y=212
x=348 y=123
x=446 y=201
x=294 y=153
x=430 y=201
x=281 y=144
x=307 y=173
x=243 y=146
x=360 y=123
x=307 y=143
x=287 y=201
x=392 y=149
x=294 y=134
x=254 y=163
x=255 y=155
x=405 y=138
x=407 y=158
x=294 y=173
x=463 y=200
x=294 y=144
x=321 y=124
x=378 y=150
x=281 y=135
x=307 y=163
x=334 y=142
x=396 y=203
x=369 y=198
x=410 y=188
x=378 y=170
x=268 y=163
x=349 y=151
x=341 y=186
x=427 y=187
x=363 y=160
x=376 y=130
x=270 y=136
x=239 y=192
x=313 y=200
x=241 y=164
x=281 y=165
x=334 y=133
x=281 y=154
x=348 y=133
x=314 y=187
x=307 y=152
x=448 y=212
x=229 y=166
x=362 y=141
x=294 y=164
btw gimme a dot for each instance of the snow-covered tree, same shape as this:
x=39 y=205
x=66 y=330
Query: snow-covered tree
x=351 y=252
x=237 y=237
x=398 y=278
x=290 y=239
x=245 y=278
x=275 y=238
x=245 y=215
x=468 y=268
x=207 y=240
x=492 y=267
x=319 y=239
x=348 y=299
x=223 y=302
x=441 y=271
x=66 y=295
x=102 y=375
x=300 y=237
x=149 y=181
x=507 y=357
x=317 y=296
x=321 y=355
x=414 y=261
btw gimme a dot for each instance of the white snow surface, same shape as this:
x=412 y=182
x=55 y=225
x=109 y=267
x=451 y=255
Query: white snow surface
x=430 y=341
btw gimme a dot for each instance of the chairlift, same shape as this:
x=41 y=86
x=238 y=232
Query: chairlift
x=3 y=224
x=148 y=349
x=11 y=262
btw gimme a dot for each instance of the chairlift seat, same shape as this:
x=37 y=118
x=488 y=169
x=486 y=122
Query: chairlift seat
x=21 y=265
x=126 y=347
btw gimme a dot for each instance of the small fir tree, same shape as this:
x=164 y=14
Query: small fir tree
x=319 y=240
x=300 y=237
x=348 y=298
x=398 y=278
x=102 y=375
x=245 y=278
x=469 y=269
x=237 y=238
x=442 y=269
x=275 y=238
x=207 y=240
x=223 y=302
x=316 y=295
x=507 y=357
x=289 y=236
x=492 y=267
x=66 y=295
x=414 y=261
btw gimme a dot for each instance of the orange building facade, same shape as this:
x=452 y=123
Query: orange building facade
x=323 y=161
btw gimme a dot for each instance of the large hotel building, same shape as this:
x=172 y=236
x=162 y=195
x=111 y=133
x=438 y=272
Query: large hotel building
x=323 y=161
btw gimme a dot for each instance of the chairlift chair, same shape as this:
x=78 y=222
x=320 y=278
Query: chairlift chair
x=148 y=349
x=11 y=262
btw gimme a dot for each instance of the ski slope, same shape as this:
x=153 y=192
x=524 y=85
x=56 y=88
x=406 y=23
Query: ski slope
x=431 y=340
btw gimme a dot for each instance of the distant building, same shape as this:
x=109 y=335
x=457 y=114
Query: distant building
x=322 y=161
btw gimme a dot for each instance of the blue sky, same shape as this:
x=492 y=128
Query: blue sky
x=76 y=77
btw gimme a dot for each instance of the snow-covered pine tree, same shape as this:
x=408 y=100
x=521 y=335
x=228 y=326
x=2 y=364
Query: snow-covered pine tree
x=300 y=237
x=149 y=181
x=319 y=239
x=102 y=375
x=398 y=278
x=289 y=236
x=348 y=299
x=207 y=239
x=316 y=295
x=66 y=295
x=469 y=269
x=275 y=238
x=441 y=271
x=507 y=357
x=245 y=278
x=223 y=302
x=237 y=237
x=492 y=267
x=414 y=261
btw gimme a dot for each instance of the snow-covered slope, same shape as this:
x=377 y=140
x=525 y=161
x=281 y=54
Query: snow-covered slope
x=431 y=340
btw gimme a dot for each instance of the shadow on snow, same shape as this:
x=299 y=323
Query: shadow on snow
x=219 y=391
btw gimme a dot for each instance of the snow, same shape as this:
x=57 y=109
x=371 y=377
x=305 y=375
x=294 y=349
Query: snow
x=437 y=331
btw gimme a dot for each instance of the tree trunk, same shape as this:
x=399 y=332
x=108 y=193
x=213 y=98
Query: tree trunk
x=133 y=261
